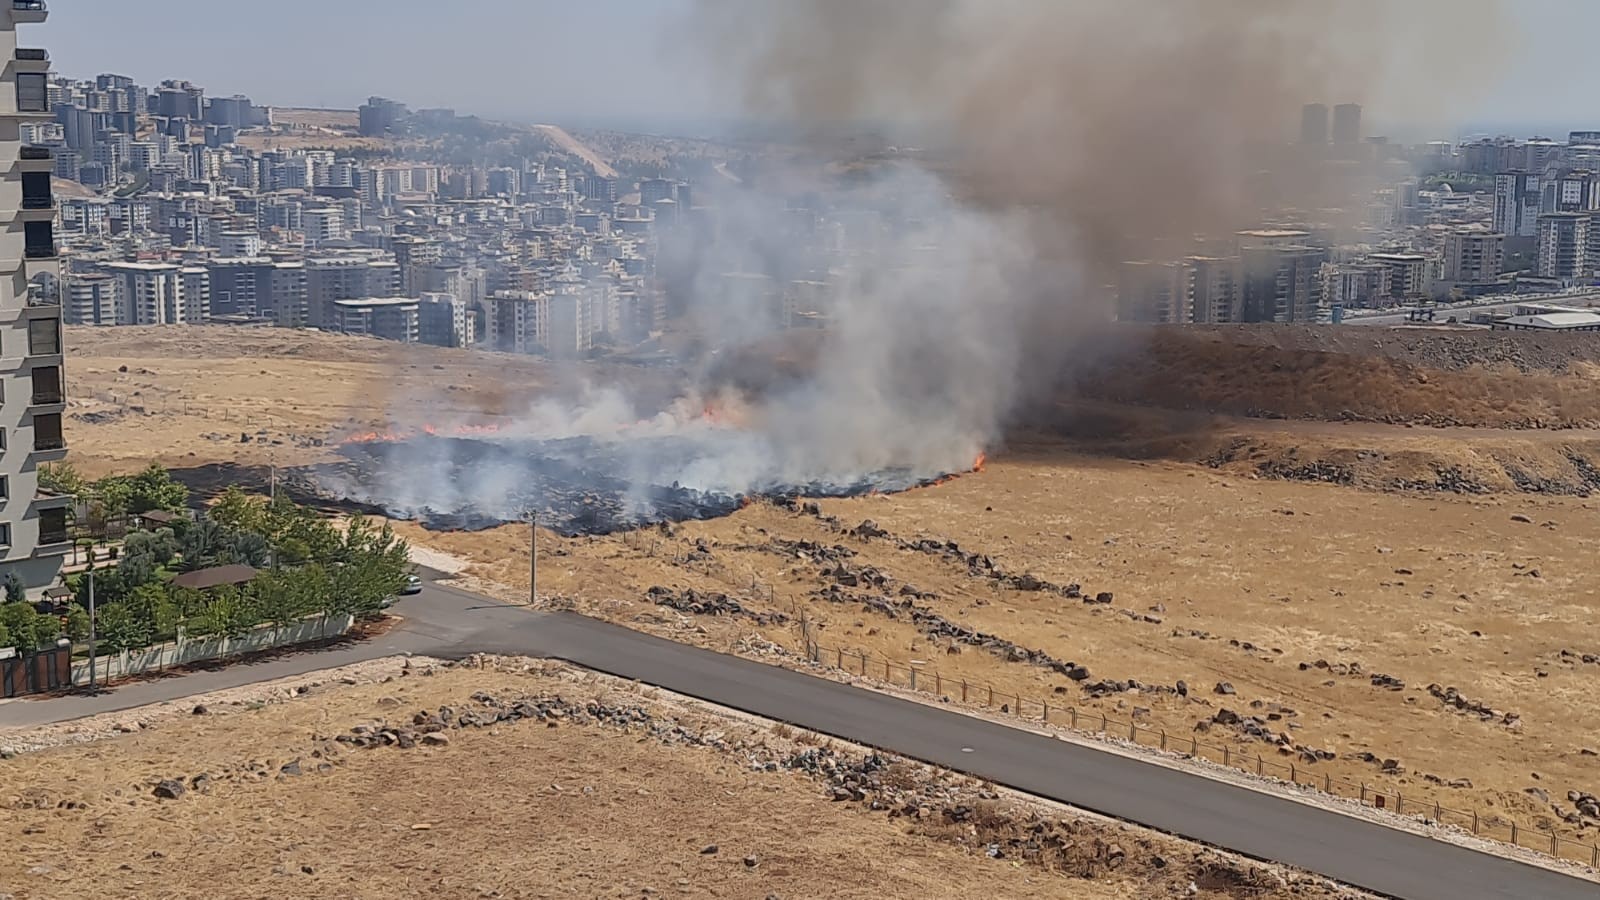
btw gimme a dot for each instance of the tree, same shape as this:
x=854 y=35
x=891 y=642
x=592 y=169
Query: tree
x=283 y=598
x=29 y=631
x=152 y=488
x=228 y=613
x=203 y=544
x=118 y=629
x=62 y=478
x=5 y=636
x=250 y=549
x=160 y=545
x=152 y=605
x=237 y=511
x=372 y=567
x=77 y=623
x=137 y=569
x=16 y=591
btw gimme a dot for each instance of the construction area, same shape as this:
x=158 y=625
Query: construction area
x=1366 y=554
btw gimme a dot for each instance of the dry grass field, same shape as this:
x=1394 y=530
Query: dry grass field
x=1339 y=613
x=575 y=807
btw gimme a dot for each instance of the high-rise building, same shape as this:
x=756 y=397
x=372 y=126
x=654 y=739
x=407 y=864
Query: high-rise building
x=33 y=523
x=443 y=320
x=1314 y=124
x=90 y=298
x=1213 y=285
x=1570 y=190
x=517 y=321
x=1152 y=292
x=1408 y=274
x=1563 y=246
x=1281 y=282
x=153 y=294
x=1517 y=198
x=1473 y=256
x=1347 y=123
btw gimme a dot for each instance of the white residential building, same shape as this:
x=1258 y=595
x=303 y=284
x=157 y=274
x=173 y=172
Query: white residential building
x=33 y=524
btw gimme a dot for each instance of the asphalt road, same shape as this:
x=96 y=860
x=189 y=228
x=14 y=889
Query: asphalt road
x=449 y=623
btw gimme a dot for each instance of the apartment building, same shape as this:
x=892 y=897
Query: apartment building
x=33 y=524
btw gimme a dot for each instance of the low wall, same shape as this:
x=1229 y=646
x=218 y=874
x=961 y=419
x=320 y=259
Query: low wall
x=177 y=653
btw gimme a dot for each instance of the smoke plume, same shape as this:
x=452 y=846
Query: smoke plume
x=1039 y=144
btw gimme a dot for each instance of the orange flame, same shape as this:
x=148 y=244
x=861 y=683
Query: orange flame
x=977 y=464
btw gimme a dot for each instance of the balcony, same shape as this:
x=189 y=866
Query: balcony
x=53 y=533
x=33 y=151
x=38 y=201
x=39 y=251
x=47 y=388
x=32 y=54
x=29 y=12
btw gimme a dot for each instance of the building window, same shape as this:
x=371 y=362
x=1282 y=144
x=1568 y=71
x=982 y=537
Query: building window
x=47 y=432
x=38 y=240
x=5 y=487
x=5 y=534
x=44 y=337
x=32 y=93
x=53 y=526
x=36 y=190
x=47 y=384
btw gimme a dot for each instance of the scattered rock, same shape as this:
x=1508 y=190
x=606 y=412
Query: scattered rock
x=169 y=789
x=1519 y=517
x=1223 y=688
x=709 y=850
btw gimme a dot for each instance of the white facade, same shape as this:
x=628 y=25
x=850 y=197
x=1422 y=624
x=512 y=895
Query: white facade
x=33 y=525
x=91 y=298
x=151 y=293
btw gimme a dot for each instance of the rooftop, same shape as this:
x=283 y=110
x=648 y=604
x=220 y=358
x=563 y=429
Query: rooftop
x=216 y=576
x=376 y=302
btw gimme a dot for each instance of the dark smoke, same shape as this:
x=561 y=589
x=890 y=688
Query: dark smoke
x=1053 y=140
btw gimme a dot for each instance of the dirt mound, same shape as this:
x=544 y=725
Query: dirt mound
x=1439 y=378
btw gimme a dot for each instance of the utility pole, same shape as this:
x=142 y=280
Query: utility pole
x=533 y=554
x=93 y=687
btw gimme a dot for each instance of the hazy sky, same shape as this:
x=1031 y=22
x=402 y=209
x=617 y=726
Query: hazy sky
x=608 y=59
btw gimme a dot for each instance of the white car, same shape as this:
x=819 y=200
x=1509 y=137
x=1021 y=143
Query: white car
x=413 y=585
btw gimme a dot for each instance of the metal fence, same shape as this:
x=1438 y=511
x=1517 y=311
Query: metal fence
x=1301 y=773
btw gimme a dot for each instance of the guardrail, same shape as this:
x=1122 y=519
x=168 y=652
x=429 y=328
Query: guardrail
x=1303 y=774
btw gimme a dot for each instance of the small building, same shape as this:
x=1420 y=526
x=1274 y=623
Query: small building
x=216 y=576
x=390 y=318
x=1556 y=321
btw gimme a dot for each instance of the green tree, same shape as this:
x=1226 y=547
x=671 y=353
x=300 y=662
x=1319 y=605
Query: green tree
x=137 y=569
x=118 y=629
x=5 y=636
x=152 y=605
x=77 y=623
x=16 y=591
x=203 y=545
x=283 y=597
x=237 y=511
x=228 y=613
x=29 y=631
x=372 y=566
x=62 y=478
x=160 y=545
x=152 y=488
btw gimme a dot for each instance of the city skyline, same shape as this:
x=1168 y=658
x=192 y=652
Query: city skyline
x=639 y=65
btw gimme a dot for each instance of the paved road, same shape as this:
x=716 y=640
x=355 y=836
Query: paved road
x=445 y=622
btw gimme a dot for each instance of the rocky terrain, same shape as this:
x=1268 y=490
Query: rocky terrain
x=423 y=777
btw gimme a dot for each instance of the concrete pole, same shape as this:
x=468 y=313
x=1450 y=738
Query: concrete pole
x=533 y=554
x=92 y=685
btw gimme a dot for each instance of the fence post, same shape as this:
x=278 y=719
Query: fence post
x=1292 y=779
x=863 y=665
x=886 y=676
x=1553 y=845
x=1133 y=732
x=1163 y=739
x=1194 y=747
x=938 y=684
x=1474 y=821
x=1046 y=705
x=1072 y=714
x=963 y=690
x=1102 y=723
x=1225 y=755
x=913 y=672
x=1513 y=833
x=991 y=696
x=1438 y=812
x=1594 y=856
x=1261 y=765
x=1327 y=783
x=1399 y=802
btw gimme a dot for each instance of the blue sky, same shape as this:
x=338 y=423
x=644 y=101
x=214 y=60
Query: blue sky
x=601 y=59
